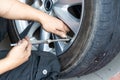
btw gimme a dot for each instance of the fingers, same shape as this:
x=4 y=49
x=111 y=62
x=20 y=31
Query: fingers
x=62 y=30
x=66 y=28
x=25 y=44
x=61 y=33
x=27 y=38
x=29 y=47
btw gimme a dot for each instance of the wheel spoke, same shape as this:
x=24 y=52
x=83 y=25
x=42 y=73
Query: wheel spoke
x=59 y=46
x=21 y=25
x=36 y=4
x=24 y=1
x=44 y=36
x=62 y=13
x=69 y=2
x=26 y=30
x=39 y=4
x=33 y=28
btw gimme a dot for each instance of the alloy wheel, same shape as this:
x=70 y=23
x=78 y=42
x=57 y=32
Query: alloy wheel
x=69 y=11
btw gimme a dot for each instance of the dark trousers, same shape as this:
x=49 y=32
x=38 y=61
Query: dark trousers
x=34 y=68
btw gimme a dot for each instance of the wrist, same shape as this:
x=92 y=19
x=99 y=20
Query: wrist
x=42 y=17
x=8 y=63
x=5 y=65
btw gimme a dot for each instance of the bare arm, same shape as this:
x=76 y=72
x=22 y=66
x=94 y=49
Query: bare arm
x=17 y=56
x=5 y=65
x=13 y=9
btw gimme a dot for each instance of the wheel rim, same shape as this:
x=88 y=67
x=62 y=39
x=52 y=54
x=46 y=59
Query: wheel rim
x=69 y=11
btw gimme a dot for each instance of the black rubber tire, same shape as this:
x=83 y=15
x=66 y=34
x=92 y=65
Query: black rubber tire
x=98 y=40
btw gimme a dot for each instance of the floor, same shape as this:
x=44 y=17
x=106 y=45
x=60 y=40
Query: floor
x=103 y=74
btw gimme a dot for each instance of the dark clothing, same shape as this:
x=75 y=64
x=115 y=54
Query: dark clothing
x=40 y=66
x=3 y=28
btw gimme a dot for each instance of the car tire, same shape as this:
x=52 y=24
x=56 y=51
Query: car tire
x=97 y=42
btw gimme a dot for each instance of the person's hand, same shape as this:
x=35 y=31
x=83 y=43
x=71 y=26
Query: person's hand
x=54 y=25
x=26 y=12
x=20 y=53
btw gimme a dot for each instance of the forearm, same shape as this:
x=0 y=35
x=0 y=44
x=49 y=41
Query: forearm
x=13 y=9
x=5 y=65
x=16 y=56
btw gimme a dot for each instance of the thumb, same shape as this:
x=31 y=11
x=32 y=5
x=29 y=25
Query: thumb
x=61 y=33
x=23 y=43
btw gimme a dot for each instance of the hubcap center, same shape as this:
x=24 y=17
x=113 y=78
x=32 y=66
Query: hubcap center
x=48 y=5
